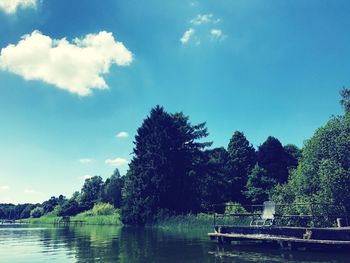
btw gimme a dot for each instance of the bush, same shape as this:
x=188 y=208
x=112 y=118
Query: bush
x=234 y=208
x=37 y=212
x=103 y=209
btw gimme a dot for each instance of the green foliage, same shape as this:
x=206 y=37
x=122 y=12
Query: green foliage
x=111 y=191
x=103 y=209
x=37 y=212
x=259 y=185
x=234 y=208
x=90 y=193
x=163 y=171
x=69 y=207
x=242 y=158
x=273 y=158
x=323 y=173
x=213 y=187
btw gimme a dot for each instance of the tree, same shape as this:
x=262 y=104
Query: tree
x=213 y=187
x=293 y=155
x=242 y=158
x=161 y=176
x=37 y=212
x=345 y=99
x=112 y=190
x=259 y=185
x=273 y=158
x=323 y=171
x=90 y=193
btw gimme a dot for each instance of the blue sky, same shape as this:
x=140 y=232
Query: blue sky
x=261 y=67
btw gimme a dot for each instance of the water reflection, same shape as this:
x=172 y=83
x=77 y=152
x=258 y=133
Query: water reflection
x=115 y=244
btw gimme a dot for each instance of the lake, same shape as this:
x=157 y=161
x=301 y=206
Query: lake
x=24 y=243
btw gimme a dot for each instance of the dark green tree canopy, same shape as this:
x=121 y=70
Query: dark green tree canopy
x=111 y=191
x=90 y=193
x=273 y=158
x=242 y=158
x=166 y=149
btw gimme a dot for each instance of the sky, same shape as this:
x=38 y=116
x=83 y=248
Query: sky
x=77 y=78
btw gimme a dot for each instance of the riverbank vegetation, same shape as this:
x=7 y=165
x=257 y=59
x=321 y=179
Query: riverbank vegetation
x=174 y=176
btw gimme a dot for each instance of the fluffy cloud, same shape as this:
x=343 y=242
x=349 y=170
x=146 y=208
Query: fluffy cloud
x=85 y=160
x=10 y=6
x=75 y=66
x=4 y=187
x=199 y=27
x=204 y=19
x=116 y=162
x=122 y=134
x=216 y=34
x=187 y=35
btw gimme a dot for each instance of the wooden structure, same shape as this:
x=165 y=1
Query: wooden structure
x=263 y=229
x=7 y=221
x=66 y=220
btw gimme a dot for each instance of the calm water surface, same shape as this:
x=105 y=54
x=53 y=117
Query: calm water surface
x=115 y=244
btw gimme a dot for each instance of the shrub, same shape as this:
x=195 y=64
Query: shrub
x=103 y=209
x=37 y=212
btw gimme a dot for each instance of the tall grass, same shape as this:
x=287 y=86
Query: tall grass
x=200 y=223
x=88 y=219
x=49 y=218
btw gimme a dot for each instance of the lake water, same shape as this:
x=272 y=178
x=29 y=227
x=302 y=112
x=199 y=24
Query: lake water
x=35 y=244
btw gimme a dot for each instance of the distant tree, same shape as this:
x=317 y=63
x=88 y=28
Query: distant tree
x=69 y=207
x=161 y=173
x=26 y=211
x=242 y=158
x=37 y=212
x=90 y=193
x=112 y=190
x=345 y=99
x=273 y=158
x=259 y=185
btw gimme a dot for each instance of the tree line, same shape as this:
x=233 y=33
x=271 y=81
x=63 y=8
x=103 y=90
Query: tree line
x=175 y=171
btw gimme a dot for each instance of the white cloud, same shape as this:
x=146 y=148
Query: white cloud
x=4 y=187
x=30 y=191
x=77 y=66
x=217 y=34
x=85 y=160
x=10 y=6
x=122 y=134
x=116 y=162
x=204 y=19
x=187 y=35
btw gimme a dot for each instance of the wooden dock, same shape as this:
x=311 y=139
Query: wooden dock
x=289 y=238
x=7 y=221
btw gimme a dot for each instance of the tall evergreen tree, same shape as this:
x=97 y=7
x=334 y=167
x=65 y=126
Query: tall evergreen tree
x=242 y=158
x=166 y=149
x=213 y=187
x=273 y=158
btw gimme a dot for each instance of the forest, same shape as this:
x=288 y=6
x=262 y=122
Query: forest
x=175 y=171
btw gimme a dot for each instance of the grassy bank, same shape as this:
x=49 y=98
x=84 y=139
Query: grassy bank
x=100 y=214
x=46 y=219
x=113 y=219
